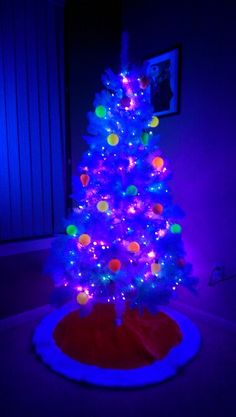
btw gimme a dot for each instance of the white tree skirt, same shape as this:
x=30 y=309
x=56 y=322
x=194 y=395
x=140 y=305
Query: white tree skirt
x=158 y=371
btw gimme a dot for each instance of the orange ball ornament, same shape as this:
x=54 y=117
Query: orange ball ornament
x=82 y=298
x=84 y=239
x=157 y=208
x=84 y=178
x=155 y=268
x=114 y=265
x=134 y=247
x=158 y=163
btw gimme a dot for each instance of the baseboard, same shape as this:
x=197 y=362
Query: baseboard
x=13 y=248
x=22 y=318
x=229 y=324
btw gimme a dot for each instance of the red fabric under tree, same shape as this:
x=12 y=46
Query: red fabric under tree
x=96 y=339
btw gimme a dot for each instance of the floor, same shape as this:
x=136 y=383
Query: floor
x=26 y=274
x=204 y=388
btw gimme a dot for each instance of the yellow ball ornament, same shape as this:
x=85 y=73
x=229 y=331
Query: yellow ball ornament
x=155 y=268
x=113 y=139
x=158 y=163
x=134 y=247
x=84 y=239
x=82 y=298
x=102 y=206
x=154 y=122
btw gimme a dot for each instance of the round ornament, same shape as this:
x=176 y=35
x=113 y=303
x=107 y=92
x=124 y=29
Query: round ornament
x=102 y=206
x=175 y=228
x=125 y=102
x=100 y=111
x=134 y=247
x=71 y=230
x=112 y=139
x=154 y=122
x=145 y=138
x=157 y=208
x=84 y=178
x=158 y=163
x=155 y=268
x=114 y=265
x=144 y=82
x=84 y=239
x=131 y=190
x=82 y=298
x=180 y=263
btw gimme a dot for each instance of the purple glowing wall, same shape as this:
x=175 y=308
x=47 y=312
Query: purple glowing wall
x=200 y=142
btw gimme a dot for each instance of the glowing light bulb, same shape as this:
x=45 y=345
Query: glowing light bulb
x=131 y=210
x=131 y=162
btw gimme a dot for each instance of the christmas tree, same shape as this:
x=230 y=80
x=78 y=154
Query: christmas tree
x=123 y=241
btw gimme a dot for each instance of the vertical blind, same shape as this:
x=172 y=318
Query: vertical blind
x=32 y=118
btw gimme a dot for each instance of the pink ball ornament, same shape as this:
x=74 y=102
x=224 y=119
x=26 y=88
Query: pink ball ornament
x=144 y=82
x=157 y=208
x=180 y=263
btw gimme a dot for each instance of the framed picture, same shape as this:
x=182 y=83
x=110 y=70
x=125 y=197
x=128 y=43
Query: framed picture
x=163 y=72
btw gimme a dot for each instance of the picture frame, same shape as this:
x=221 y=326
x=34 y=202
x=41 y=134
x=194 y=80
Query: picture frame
x=163 y=72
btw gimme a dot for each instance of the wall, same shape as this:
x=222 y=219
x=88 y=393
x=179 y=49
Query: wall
x=32 y=129
x=200 y=142
x=92 y=46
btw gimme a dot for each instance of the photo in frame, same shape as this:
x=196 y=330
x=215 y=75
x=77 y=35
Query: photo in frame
x=163 y=72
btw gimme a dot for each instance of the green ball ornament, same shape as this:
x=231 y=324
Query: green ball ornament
x=71 y=230
x=100 y=111
x=175 y=228
x=131 y=190
x=145 y=138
